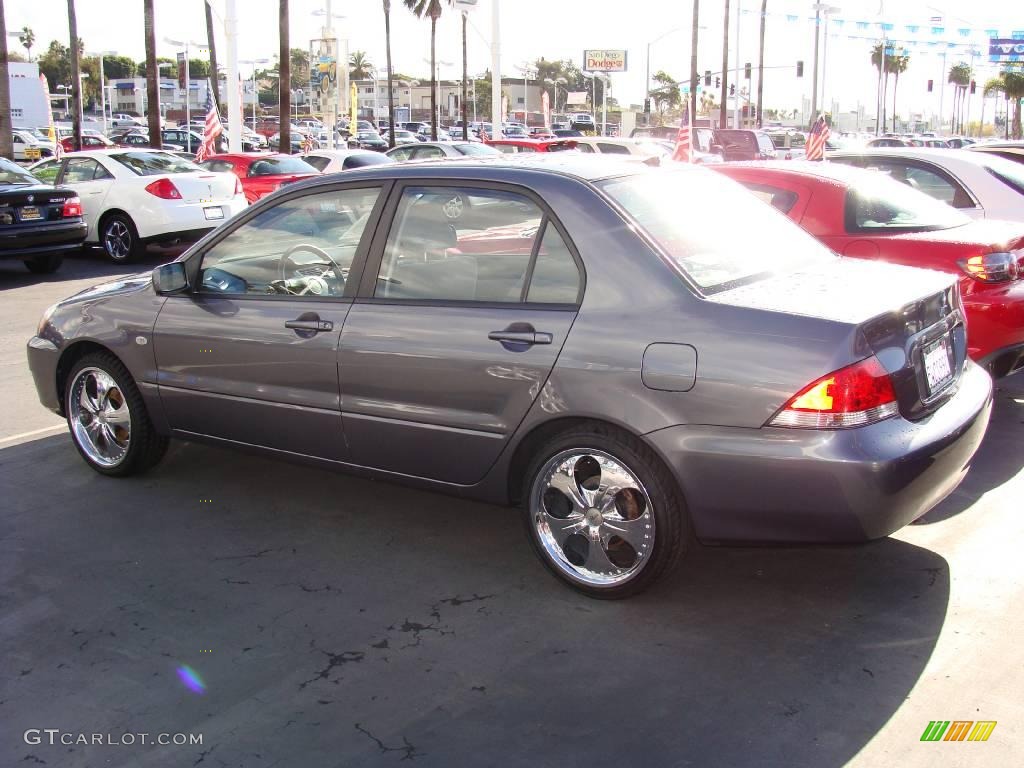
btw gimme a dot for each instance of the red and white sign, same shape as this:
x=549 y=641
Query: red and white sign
x=604 y=60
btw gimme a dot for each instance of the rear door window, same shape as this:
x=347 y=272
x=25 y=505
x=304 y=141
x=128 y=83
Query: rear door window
x=612 y=149
x=930 y=180
x=780 y=199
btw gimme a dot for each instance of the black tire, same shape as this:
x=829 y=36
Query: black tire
x=119 y=239
x=45 y=264
x=671 y=524
x=145 y=447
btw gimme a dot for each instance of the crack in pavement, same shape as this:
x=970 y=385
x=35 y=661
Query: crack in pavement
x=333 y=660
x=411 y=753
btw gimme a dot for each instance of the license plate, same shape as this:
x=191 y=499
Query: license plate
x=936 y=364
x=33 y=154
x=214 y=213
x=30 y=213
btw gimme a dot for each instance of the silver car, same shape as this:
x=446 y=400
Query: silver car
x=595 y=341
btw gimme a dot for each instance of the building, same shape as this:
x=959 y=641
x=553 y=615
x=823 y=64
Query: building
x=28 y=95
x=128 y=95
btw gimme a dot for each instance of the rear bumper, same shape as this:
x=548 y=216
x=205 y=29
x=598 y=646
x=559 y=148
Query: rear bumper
x=24 y=242
x=156 y=221
x=791 y=485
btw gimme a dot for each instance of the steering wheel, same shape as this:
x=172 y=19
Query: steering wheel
x=317 y=284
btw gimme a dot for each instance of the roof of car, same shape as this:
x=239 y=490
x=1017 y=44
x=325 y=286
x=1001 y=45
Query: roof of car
x=840 y=172
x=934 y=154
x=248 y=157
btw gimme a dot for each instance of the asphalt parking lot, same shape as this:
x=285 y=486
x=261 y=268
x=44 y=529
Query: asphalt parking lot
x=333 y=621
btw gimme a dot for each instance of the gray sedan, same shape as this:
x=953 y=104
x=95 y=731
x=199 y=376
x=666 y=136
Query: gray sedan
x=592 y=340
x=441 y=149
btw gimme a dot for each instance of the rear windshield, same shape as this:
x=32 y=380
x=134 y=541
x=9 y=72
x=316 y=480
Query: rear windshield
x=703 y=222
x=476 y=149
x=879 y=202
x=12 y=174
x=273 y=165
x=154 y=163
x=1007 y=171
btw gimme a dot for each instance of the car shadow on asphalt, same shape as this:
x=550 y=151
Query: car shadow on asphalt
x=1000 y=457
x=341 y=621
x=91 y=263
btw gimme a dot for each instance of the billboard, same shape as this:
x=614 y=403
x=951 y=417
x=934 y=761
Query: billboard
x=323 y=70
x=576 y=97
x=1006 y=48
x=604 y=60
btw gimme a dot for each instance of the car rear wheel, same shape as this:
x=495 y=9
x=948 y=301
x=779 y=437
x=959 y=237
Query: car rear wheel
x=120 y=239
x=44 y=265
x=108 y=420
x=603 y=513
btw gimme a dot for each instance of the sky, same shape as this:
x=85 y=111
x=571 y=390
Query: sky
x=558 y=29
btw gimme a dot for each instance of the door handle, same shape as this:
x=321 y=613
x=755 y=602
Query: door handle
x=520 y=337
x=316 y=326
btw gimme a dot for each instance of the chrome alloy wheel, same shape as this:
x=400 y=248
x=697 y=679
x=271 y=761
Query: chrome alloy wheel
x=593 y=517
x=117 y=240
x=99 y=417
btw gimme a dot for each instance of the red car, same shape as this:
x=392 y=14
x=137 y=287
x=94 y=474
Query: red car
x=260 y=172
x=865 y=214
x=515 y=146
x=88 y=142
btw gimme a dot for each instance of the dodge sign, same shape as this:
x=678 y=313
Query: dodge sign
x=598 y=60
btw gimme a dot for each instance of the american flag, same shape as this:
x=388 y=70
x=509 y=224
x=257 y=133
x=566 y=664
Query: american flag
x=211 y=128
x=308 y=145
x=816 y=141
x=682 y=153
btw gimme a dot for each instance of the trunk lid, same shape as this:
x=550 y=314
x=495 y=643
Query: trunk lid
x=996 y=235
x=30 y=205
x=205 y=186
x=905 y=316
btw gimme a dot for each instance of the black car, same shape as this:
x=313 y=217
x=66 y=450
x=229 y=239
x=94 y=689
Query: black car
x=39 y=223
x=743 y=144
x=368 y=140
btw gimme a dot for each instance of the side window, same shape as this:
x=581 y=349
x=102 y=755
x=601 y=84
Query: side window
x=300 y=247
x=764 y=143
x=459 y=244
x=317 y=161
x=80 y=169
x=47 y=171
x=556 y=278
x=932 y=183
x=400 y=154
x=582 y=147
x=613 y=149
x=782 y=199
x=427 y=153
x=506 y=149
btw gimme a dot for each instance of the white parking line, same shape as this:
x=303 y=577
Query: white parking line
x=23 y=436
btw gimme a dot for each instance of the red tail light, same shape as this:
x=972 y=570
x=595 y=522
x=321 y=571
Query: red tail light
x=859 y=394
x=72 y=208
x=164 y=188
x=993 y=267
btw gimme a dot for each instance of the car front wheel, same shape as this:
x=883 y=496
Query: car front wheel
x=108 y=420
x=603 y=513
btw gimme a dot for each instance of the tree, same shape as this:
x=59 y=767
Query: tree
x=284 y=106
x=298 y=59
x=666 y=95
x=431 y=8
x=898 y=65
x=27 y=38
x=359 y=65
x=1010 y=83
x=883 y=74
x=391 y=74
x=118 y=66
x=199 y=68
x=170 y=71
x=6 y=138
x=960 y=77
x=152 y=76
x=55 y=64
x=211 y=42
x=76 y=80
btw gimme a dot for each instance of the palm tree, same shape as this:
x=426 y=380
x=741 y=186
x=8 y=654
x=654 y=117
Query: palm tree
x=897 y=65
x=760 y=65
x=152 y=76
x=960 y=77
x=431 y=8
x=1011 y=84
x=6 y=138
x=391 y=74
x=883 y=80
x=76 y=77
x=994 y=86
x=284 y=70
x=723 y=115
x=27 y=38
x=359 y=65
x=211 y=41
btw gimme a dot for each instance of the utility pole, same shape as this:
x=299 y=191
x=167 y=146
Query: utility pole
x=234 y=102
x=76 y=79
x=496 y=69
x=693 y=61
x=736 y=58
x=814 y=82
x=723 y=111
x=760 y=67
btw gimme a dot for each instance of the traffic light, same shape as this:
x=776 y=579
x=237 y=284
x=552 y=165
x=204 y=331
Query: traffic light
x=647 y=106
x=718 y=82
x=746 y=70
x=732 y=89
x=931 y=85
x=973 y=86
x=707 y=77
x=799 y=69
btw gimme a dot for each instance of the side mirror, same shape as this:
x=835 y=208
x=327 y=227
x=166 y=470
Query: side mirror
x=170 y=278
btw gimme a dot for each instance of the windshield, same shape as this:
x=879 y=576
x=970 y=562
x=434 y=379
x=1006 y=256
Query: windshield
x=12 y=174
x=704 y=221
x=154 y=163
x=879 y=202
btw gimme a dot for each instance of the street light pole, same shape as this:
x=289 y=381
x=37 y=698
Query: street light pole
x=496 y=69
x=693 y=61
x=736 y=59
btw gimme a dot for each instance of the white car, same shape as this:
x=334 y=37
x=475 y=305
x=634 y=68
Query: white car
x=131 y=197
x=26 y=148
x=980 y=185
x=334 y=160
